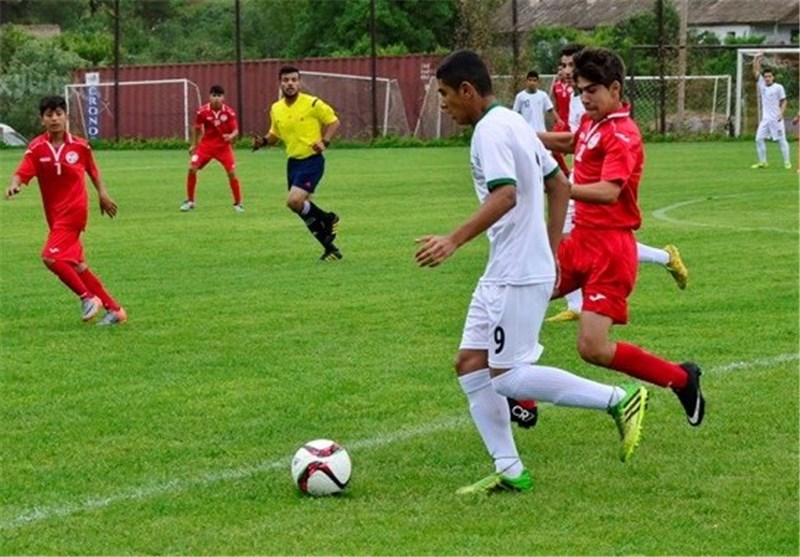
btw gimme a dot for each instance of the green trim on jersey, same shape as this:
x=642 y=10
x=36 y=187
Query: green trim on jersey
x=553 y=173
x=488 y=109
x=501 y=182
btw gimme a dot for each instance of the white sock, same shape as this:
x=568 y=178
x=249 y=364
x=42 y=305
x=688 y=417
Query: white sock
x=761 y=150
x=549 y=384
x=491 y=416
x=574 y=300
x=785 y=150
x=647 y=254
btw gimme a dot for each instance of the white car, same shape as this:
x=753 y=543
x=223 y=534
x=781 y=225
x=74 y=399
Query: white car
x=10 y=136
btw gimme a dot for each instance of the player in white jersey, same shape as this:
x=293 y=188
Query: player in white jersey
x=534 y=104
x=511 y=172
x=773 y=105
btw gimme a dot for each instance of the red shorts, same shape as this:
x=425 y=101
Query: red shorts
x=224 y=155
x=64 y=244
x=603 y=264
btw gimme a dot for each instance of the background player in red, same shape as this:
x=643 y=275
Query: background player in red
x=215 y=129
x=600 y=256
x=562 y=93
x=59 y=162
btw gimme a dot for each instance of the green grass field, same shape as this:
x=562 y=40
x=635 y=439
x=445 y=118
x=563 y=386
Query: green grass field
x=172 y=434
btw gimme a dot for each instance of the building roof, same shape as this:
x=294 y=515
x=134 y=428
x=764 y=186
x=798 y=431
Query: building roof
x=588 y=14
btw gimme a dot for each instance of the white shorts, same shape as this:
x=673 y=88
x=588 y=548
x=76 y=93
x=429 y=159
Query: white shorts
x=506 y=321
x=771 y=129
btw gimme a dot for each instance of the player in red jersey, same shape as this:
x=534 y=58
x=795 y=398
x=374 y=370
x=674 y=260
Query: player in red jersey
x=562 y=94
x=600 y=255
x=215 y=129
x=59 y=162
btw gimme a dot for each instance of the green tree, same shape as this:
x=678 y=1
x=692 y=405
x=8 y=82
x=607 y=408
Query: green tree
x=342 y=28
x=38 y=68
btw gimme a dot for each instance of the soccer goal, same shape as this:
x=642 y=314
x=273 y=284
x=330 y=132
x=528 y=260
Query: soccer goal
x=785 y=65
x=148 y=109
x=707 y=104
x=433 y=123
x=351 y=97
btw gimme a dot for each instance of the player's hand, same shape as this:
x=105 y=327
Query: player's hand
x=107 y=206
x=12 y=191
x=191 y=149
x=525 y=413
x=318 y=147
x=434 y=250
x=259 y=141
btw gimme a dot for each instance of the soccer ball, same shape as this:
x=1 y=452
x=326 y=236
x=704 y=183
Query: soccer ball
x=321 y=467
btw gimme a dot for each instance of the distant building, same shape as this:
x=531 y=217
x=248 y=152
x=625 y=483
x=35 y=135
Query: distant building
x=778 y=20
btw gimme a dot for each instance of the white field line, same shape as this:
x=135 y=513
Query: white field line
x=39 y=514
x=661 y=214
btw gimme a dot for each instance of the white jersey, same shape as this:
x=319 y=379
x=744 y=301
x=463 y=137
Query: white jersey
x=505 y=150
x=771 y=98
x=533 y=107
x=576 y=110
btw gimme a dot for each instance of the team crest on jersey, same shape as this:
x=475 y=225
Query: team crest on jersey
x=223 y=118
x=72 y=157
x=593 y=140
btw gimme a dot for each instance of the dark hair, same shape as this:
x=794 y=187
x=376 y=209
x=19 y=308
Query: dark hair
x=533 y=73
x=465 y=65
x=287 y=69
x=570 y=49
x=600 y=65
x=216 y=90
x=766 y=71
x=52 y=103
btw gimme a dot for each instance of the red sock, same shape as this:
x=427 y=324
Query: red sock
x=96 y=286
x=562 y=163
x=191 y=185
x=637 y=363
x=236 y=190
x=70 y=277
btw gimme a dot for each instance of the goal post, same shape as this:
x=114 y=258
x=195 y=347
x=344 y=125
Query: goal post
x=785 y=63
x=162 y=108
x=351 y=98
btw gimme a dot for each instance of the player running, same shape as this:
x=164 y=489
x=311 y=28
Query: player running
x=599 y=256
x=59 y=161
x=499 y=346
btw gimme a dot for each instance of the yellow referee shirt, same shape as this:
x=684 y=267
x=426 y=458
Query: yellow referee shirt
x=299 y=125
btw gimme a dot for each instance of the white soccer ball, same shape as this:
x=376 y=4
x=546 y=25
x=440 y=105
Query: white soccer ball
x=321 y=467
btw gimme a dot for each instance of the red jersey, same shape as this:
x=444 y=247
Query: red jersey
x=609 y=150
x=61 y=173
x=215 y=123
x=562 y=94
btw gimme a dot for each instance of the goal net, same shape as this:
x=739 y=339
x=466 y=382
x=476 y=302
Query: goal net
x=785 y=66
x=433 y=123
x=351 y=98
x=146 y=109
x=707 y=104
x=706 y=107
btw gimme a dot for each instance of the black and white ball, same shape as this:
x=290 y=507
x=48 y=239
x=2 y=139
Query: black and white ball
x=321 y=467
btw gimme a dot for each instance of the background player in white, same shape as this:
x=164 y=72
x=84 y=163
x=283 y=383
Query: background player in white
x=499 y=344
x=534 y=104
x=773 y=105
x=669 y=257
